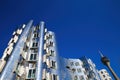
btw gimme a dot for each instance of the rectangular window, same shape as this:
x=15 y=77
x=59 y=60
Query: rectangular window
x=52 y=53
x=33 y=56
x=35 y=45
x=31 y=73
x=53 y=64
x=55 y=77
x=35 y=35
x=51 y=44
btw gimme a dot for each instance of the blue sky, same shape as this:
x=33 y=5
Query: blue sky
x=82 y=27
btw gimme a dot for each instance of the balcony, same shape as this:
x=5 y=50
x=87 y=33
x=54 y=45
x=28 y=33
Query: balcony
x=24 y=55
x=51 y=64
x=48 y=63
x=9 y=50
x=48 y=43
x=20 y=70
x=15 y=38
x=19 y=31
x=44 y=74
x=48 y=76
x=11 y=44
x=2 y=64
x=44 y=58
x=50 y=52
x=48 y=36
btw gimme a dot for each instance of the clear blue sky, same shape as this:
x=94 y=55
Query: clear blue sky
x=82 y=27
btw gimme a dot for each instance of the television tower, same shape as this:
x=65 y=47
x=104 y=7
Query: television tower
x=106 y=62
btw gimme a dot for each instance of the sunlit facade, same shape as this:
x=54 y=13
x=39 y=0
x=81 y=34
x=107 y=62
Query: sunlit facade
x=104 y=74
x=32 y=55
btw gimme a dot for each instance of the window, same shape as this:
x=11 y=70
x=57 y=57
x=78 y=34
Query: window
x=53 y=64
x=6 y=58
x=12 y=41
x=78 y=70
x=33 y=56
x=36 y=35
x=103 y=75
x=31 y=73
x=75 y=78
x=73 y=70
x=55 y=77
x=52 y=53
x=77 y=63
x=105 y=71
x=81 y=77
x=71 y=63
x=101 y=72
x=51 y=43
x=35 y=45
x=49 y=36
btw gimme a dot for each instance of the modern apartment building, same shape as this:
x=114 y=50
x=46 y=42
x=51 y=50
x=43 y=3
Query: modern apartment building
x=104 y=75
x=32 y=55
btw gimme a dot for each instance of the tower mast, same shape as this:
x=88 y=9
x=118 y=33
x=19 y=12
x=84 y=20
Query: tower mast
x=106 y=62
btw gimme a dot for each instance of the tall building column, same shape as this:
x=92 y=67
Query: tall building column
x=40 y=52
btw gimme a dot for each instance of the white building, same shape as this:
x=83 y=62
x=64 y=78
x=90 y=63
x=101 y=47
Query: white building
x=104 y=75
x=32 y=55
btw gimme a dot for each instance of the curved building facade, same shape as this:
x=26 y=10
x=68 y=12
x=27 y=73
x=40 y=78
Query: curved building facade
x=32 y=55
x=104 y=75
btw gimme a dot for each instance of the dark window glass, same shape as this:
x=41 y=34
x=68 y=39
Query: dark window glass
x=35 y=56
x=31 y=56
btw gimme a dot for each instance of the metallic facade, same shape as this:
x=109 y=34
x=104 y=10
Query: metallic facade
x=32 y=55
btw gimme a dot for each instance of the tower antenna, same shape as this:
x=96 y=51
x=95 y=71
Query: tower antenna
x=100 y=53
